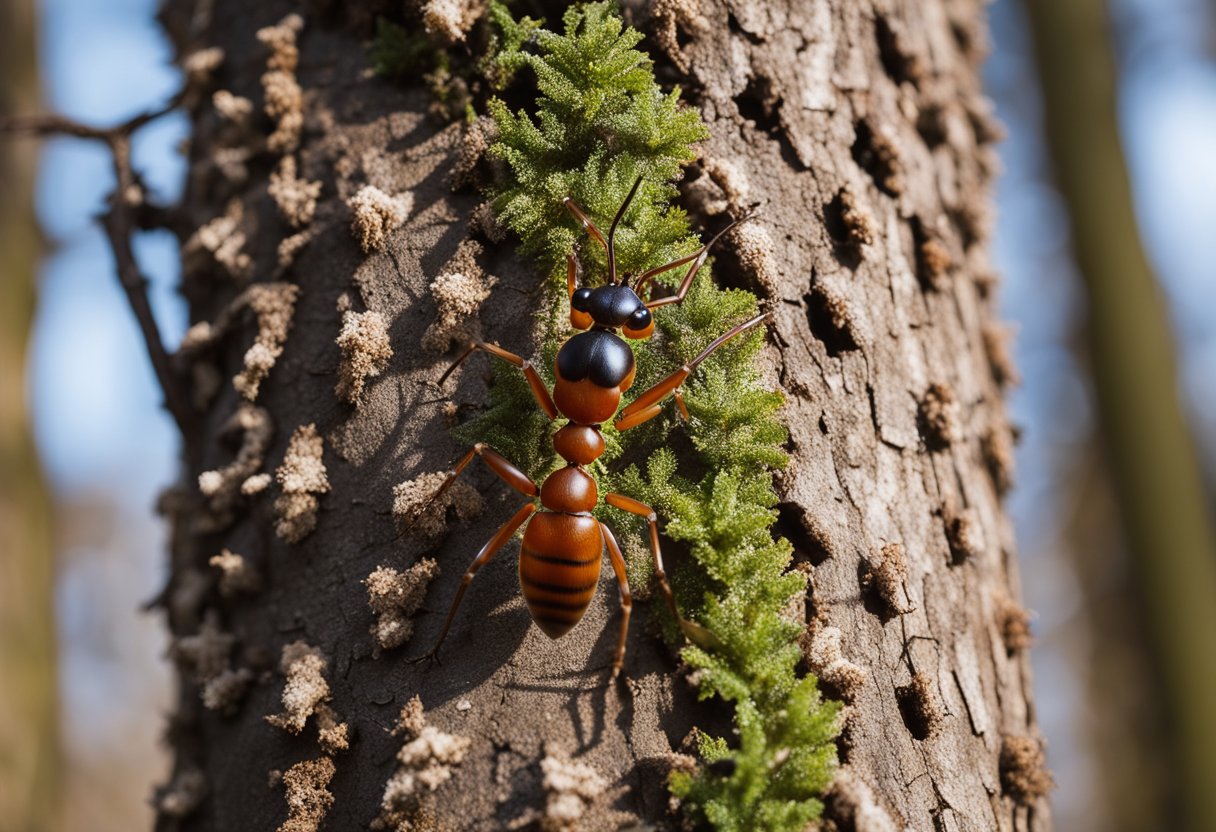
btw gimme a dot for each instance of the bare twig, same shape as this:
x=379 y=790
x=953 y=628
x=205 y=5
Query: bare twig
x=127 y=211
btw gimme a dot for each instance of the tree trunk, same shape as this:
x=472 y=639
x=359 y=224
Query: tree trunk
x=860 y=130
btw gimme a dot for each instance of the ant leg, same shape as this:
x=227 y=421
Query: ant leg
x=498 y=463
x=586 y=221
x=697 y=258
x=647 y=405
x=539 y=391
x=483 y=557
x=683 y=408
x=695 y=633
x=622 y=581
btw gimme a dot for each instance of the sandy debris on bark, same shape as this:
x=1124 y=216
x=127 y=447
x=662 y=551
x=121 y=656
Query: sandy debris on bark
x=183 y=794
x=998 y=453
x=570 y=789
x=283 y=98
x=204 y=658
x=459 y=292
x=844 y=313
x=450 y=20
x=424 y=763
x=395 y=597
x=416 y=510
x=256 y=484
x=1024 y=774
x=232 y=107
x=888 y=578
x=223 y=487
x=375 y=215
x=852 y=804
x=290 y=248
x=965 y=534
x=305 y=693
x=826 y=659
x=237 y=574
x=273 y=305
x=222 y=242
x=474 y=142
x=859 y=223
x=201 y=64
x=935 y=260
x=308 y=795
x=366 y=350
x=1013 y=621
x=941 y=414
x=295 y=196
x=301 y=477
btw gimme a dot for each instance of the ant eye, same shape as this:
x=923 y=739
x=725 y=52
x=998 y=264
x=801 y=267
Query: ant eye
x=640 y=324
x=581 y=300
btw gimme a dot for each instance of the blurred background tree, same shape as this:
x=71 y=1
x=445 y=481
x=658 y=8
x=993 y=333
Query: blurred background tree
x=1161 y=508
x=29 y=735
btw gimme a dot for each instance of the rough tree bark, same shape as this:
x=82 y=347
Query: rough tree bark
x=859 y=128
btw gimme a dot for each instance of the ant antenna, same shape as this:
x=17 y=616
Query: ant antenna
x=612 y=230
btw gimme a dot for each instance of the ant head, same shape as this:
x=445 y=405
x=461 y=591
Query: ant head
x=612 y=307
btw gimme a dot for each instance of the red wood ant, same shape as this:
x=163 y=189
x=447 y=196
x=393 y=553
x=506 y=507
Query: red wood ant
x=559 y=562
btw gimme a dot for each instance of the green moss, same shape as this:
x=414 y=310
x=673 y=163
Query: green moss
x=600 y=121
x=397 y=53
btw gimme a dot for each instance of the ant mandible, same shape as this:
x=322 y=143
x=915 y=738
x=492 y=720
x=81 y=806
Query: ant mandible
x=563 y=543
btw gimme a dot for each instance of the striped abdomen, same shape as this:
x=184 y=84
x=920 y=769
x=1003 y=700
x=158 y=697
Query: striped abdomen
x=559 y=567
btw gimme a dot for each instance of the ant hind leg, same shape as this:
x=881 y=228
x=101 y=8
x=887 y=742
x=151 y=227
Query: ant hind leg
x=500 y=538
x=618 y=566
x=693 y=631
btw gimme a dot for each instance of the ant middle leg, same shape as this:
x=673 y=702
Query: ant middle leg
x=695 y=633
x=539 y=391
x=487 y=552
x=496 y=462
x=649 y=404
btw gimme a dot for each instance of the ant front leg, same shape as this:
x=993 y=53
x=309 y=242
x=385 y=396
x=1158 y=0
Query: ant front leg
x=697 y=258
x=650 y=403
x=539 y=391
x=694 y=632
x=487 y=552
